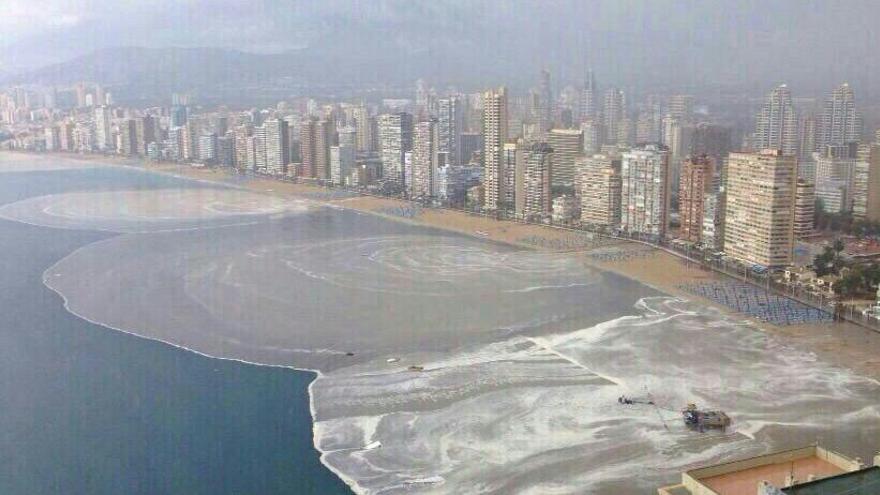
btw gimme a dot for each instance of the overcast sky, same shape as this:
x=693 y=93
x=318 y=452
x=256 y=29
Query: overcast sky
x=709 y=40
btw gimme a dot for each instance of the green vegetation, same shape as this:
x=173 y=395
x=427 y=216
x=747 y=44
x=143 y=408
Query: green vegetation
x=830 y=261
x=858 y=280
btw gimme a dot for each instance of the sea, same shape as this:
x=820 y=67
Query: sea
x=88 y=410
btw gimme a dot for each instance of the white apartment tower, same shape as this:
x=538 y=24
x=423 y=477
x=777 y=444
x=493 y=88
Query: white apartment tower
x=840 y=122
x=645 y=190
x=600 y=190
x=450 y=121
x=533 y=201
x=494 y=137
x=776 y=123
x=102 y=128
x=759 y=219
x=395 y=139
x=425 y=159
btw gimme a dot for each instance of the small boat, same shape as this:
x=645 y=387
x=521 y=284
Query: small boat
x=416 y=368
x=702 y=419
x=373 y=446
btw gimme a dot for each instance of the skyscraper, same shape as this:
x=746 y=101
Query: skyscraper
x=395 y=139
x=424 y=159
x=315 y=144
x=776 y=123
x=645 y=190
x=681 y=108
x=695 y=182
x=277 y=142
x=511 y=161
x=242 y=134
x=102 y=128
x=840 y=122
x=534 y=200
x=759 y=220
x=589 y=94
x=613 y=112
x=804 y=208
x=835 y=173
x=364 y=124
x=450 y=120
x=128 y=137
x=568 y=145
x=600 y=190
x=494 y=137
x=546 y=102
x=866 y=184
x=342 y=156
x=208 y=148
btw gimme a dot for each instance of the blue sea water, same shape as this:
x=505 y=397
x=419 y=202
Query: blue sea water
x=88 y=410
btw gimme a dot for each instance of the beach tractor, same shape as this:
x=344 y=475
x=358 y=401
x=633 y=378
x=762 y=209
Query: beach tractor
x=701 y=420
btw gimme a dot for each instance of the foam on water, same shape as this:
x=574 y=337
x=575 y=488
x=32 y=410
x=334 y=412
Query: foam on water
x=148 y=209
x=540 y=414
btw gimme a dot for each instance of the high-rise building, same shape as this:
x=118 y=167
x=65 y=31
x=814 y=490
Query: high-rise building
x=425 y=158
x=277 y=142
x=645 y=190
x=259 y=143
x=804 y=208
x=568 y=145
x=179 y=115
x=600 y=190
x=365 y=125
x=533 y=200
x=342 y=156
x=841 y=123
x=450 y=121
x=593 y=136
x=395 y=139
x=807 y=145
x=866 y=183
x=494 y=137
x=145 y=127
x=226 y=149
x=128 y=137
x=511 y=162
x=759 y=219
x=546 y=103
x=242 y=135
x=613 y=112
x=208 y=148
x=712 y=235
x=589 y=96
x=102 y=128
x=835 y=173
x=695 y=183
x=315 y=141
x=776 y=123
x=681 y=108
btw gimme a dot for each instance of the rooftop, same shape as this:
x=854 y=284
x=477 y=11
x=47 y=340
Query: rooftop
x=863 y=482
x=801 y=466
